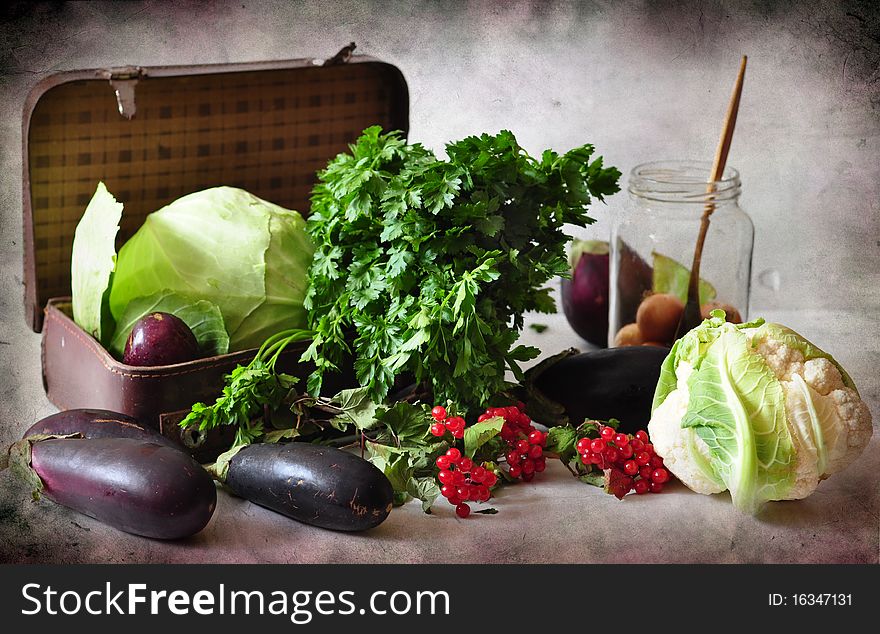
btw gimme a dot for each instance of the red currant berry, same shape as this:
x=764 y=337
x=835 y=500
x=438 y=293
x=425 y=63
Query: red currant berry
x=443 y=462
x=458 y=478
x=656 y=461
x=513 y=457
x=642 y=435
x=637 y=444
x=540 y=464
x=522 y=446
x=626 y=452
x=607 y=433
x=439 y=412
x=649 y=448
x=528 y=466
x=447 y=490
x=536 y=437
x=462 y=510
x=612 y=455
x=660 y=476
x=491 y=479
x=645 y=472
x=437 y=429
x=454 y=499
x=656 y=487
x=478 y=474
x=483 y=417
x=643 y=458
x=454 y=455
x=597 y=445
x=621 y=440
x=582 y=445
x=630 y=467
x=483 y=493
x=466 y=464
x=455 y=423
x=458 y=434
x=446 y=477
x=515 y=471
x=464 y=492
x=641 y=486
x=535 y=452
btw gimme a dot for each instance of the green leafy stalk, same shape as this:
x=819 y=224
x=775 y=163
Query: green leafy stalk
x=431 y=264
x=249 y=392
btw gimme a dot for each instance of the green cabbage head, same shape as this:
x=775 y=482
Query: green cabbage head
x=757 y=410
x=218 y=253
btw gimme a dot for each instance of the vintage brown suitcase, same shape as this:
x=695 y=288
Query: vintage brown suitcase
x=153 y=135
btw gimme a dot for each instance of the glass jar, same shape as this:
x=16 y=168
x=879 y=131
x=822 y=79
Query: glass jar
x=652 y=249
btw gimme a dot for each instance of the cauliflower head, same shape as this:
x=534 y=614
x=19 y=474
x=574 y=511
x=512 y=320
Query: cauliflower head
x=755 y=409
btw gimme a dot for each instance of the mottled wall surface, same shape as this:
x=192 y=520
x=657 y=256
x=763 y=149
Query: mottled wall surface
x=641 y=80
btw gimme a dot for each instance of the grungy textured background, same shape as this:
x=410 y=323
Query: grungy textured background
x=642 y=81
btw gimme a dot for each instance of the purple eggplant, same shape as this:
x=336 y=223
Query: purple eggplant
x=135 y=486
x=314 y=484
x=614 y=383
x=585 y=295
x=97 y=423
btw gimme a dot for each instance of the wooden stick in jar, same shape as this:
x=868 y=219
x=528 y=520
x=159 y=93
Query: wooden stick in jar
x=691 y=316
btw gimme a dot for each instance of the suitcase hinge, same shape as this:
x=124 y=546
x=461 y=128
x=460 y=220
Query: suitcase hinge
x=123 y=81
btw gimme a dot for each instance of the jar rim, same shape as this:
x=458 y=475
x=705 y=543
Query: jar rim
x=683 y=181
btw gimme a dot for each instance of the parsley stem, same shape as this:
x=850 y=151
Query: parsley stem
x=276 y=344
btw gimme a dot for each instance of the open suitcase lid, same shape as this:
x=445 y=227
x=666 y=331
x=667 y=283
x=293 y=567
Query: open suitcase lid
x=155 y=134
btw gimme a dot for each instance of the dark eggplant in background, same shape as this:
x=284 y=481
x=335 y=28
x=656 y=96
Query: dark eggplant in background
x=138 y=487
x=97 y=423
x=314 y=484
x=585 y=295
x=615 y=383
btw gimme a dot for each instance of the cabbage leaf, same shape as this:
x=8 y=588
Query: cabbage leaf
x=247 y=256
x=288 y=259
x=673 y=278
x=92 y=263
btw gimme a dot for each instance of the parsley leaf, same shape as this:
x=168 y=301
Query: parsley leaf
x=432 y=263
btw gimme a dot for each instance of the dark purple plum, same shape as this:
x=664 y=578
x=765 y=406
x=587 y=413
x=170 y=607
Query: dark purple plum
x=585 y=295
x=135 y=486
x=97 y=423
x=160 y=339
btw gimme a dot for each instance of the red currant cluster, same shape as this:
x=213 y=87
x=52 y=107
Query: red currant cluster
x=453 y=424
x=462 y=480
x=525 y=454
x=631 y=454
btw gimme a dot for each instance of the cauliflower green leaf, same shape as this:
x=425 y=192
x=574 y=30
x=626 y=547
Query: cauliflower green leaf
x=737 y=408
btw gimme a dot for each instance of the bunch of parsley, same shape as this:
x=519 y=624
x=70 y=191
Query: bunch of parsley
x=426 y=266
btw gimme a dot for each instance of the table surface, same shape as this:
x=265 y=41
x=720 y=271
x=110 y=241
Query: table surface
x=555 y=518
